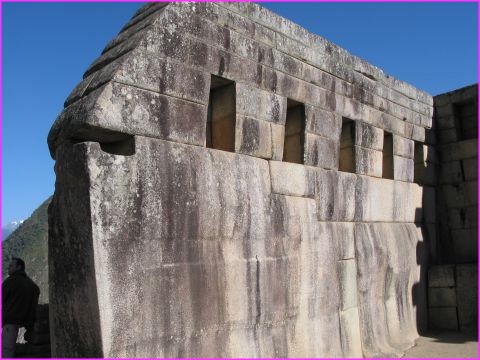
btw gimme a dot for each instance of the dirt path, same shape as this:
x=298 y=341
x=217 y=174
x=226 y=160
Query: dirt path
x=445 y=345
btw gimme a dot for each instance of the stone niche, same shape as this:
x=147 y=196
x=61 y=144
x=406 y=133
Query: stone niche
x=203 y=207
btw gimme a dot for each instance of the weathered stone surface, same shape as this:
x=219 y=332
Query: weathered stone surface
x=403 y=147
x=350 y=333
x=441 y=276
x=443 y=318
x=388 y=303
x=292 y=179
x=451 y=173
x=368 y=161
x=463 y=218
x=348 y=284
x=335 y=196
x=186 y=251
x=465 y=244
x=320 y=152
x=442 y=297
x=324 y=123
x=402 y=168
x=253 y=137
x=368 y=136
x=459 y=151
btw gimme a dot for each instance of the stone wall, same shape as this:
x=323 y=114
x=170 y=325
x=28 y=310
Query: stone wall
x=453 y=283
x=199 y=209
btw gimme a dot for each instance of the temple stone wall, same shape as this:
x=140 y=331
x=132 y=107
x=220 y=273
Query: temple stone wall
x=453 y=283
x=199 y=209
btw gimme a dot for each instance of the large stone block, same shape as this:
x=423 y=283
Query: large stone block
x=253 y=137
x=350 y=333
x=292 y=179
x=441 y=276
x=320 y=152
x=368 y=162
x=368 y=136
x=335 y=196
x=260 y=104
x=385 y=286
x=442 y=297
x=467 y=296
x=374 y=200
x=147 y=71
x=403 y=147
x=402 y=168
x=462 y=218
x=323 y=123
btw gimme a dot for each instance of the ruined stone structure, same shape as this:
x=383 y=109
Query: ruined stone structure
x=230 y=185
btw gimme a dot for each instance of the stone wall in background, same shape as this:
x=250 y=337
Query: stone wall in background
x=453 y=284
x=230 y=185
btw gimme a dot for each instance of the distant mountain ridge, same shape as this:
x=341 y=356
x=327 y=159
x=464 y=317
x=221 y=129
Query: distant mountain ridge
x=10 y=228
x=30 y=242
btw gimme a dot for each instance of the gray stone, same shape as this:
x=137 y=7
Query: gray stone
x=253 y=137
x=368 y=162
x=465 y=244
x=451 y=173
x=320 y=152
x=335 y=196
x=429 y=204
x=368 y=136
x=348 y=284
x=460 y=151
x=470 y=169
x=441 y=276
x=403 y=147
x=444 y=318
x=402 y=168
x=467 y=295
x=442 y=297
x=292 y=179
x=323 y=123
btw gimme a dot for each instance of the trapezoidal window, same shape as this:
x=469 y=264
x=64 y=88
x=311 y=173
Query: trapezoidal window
x=293 y=144
x=419 y=163
x=346 y=161
x=387 y=164
x=221 y=115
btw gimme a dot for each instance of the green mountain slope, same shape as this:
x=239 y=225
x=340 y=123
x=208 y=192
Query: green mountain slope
x=30 y=242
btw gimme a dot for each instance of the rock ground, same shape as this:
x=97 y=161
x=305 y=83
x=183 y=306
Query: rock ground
x=445 y=345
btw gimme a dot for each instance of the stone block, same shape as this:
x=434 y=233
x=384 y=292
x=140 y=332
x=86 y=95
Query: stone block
x=441 y=276
x=320 y=152
x=323 y=123
x=402 y=168
x=164 y=76
x=403 y=147
x=260 y=104
x=448 y=136
x=466 y=276
x=467 y=299
x=451 y=172
x=442 y=297
x=350 y=333
x=374 y=200
x=368 y=161
x=335 y=195
x=278 y=138
x=292 y=179
x=425 y=153
x=465 y=245
x=418 y=133
x=417 y=198
x=368 y=136
x=470 y=168
x=444 y=318
x=403 y=208
x=445 y=110
x=253 y=137
x=459 y=151
x=347 y=270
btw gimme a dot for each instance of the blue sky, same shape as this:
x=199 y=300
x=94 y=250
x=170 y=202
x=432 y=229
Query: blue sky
x=48 y=46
